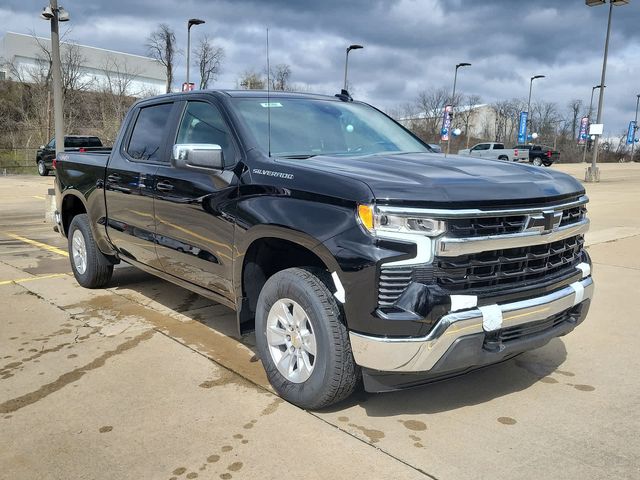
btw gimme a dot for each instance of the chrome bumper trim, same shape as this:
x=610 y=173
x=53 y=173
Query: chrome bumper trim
x=421 y=354
x=477 y=212
x=452 y=247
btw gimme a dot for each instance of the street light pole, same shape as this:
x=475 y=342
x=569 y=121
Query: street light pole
x=529 y=116
x=346 y=62
x=453 y=99
x=635 y=128
x=592 y=174
x=584 y=150
x=190 y=23
x=56 y=15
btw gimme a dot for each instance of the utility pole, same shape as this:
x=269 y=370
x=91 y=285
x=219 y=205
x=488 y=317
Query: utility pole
x=453 y=99
x=584 y=150
x=56 y=74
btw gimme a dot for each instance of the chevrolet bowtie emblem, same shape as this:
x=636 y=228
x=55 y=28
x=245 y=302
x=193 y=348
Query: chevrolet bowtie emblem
x=544 y=222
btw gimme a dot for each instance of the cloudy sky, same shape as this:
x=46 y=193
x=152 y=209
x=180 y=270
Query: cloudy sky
x=410 y=45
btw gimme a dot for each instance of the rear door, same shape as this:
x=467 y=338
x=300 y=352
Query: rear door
x=193 y=231
x=130 y=179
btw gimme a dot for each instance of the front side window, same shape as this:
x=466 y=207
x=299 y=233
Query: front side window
x=149 y=133
x=203 y=123
x=482 y=146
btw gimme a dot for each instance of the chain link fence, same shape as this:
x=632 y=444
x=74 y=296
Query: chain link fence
x=18 y=161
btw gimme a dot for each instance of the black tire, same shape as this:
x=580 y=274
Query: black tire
x=98 y=269
x=43 y=171
x=537 y=161
x=503 y=157
x=335 y=374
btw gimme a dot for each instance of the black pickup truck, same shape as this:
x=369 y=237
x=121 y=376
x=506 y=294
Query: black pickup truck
x=352 y=250
x=72 y=143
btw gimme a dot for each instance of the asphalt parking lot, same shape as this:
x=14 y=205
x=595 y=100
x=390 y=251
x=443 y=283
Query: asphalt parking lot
x=147 y=380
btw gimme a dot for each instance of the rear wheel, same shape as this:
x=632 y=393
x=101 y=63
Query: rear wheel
x=90 y=266
x=537 y=161
x=302 y=340
x=503 y=157
x=43 y=171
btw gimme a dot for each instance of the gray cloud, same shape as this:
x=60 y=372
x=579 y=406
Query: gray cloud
x=410 y=45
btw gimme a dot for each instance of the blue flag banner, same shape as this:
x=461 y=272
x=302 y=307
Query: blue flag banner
x=522 y=128
x=584 y=131
x=446 y=123
x=631 y=132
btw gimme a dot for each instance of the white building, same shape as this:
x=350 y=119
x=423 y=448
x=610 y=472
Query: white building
x=25 y=57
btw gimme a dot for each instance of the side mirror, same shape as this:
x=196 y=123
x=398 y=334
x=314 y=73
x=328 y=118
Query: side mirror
x=198 y=156
x=41 y=147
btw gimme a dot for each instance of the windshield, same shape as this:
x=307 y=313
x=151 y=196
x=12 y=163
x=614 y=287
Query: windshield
x=303 y=128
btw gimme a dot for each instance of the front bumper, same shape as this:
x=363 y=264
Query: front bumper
x=422 y=354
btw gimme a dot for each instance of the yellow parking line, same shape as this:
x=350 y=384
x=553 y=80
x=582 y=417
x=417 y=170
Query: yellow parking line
x=39 y=197
x=30 y=279
x=44 y=246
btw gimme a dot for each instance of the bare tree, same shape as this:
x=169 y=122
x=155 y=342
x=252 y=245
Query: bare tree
x=429 y=104
x=466 y=114
x=280 y=76
x=209 y=60
x=250 y=80
x=161 y=45
x=575 y=106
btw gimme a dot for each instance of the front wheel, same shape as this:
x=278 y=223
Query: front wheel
x=90 y=266
x=302 y=340
x=43 y=171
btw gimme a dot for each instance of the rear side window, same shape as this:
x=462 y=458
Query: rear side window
x=498 y=146
x=149 y=133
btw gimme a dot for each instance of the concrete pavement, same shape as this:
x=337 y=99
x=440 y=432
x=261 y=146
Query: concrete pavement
x=147 y=380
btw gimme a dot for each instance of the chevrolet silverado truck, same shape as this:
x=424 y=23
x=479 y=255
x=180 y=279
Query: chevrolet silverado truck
x=355 y=253
x=496 y=151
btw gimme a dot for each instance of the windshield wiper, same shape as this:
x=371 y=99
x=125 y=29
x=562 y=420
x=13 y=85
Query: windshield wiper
x=298 y=157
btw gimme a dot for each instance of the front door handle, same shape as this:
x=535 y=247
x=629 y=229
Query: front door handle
x=164 y=186
x=114 y=178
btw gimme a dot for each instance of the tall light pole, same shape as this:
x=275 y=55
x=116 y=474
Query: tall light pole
x=592 y=174
x=346 y=62
x=635 y=128
x=529 y=116
x=56 y=14
x=190 y=23
x=453 y=100
x=584 y=151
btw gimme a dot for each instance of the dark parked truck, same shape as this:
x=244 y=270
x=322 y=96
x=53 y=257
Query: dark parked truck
x=72 y=143
x=352 y=250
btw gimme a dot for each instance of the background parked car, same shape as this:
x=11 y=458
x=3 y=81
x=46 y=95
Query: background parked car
x=541 y=154
x=72 y=143
x=495 y=150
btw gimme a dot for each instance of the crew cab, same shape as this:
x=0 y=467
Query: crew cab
x=497 y=151
x=540 y=154
x=352 y=250
x=72 y=143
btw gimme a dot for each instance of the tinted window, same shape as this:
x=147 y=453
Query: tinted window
x=498 y=146
x=149 y=133
x=482 y=146
x=203 y=123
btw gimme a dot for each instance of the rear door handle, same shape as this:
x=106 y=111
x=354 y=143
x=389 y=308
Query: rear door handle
x=164 y=186
x=114 y=178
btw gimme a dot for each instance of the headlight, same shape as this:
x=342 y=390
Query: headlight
x=377 y=219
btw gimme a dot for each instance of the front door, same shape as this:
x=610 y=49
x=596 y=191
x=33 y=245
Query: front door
x=193 y=232
x=129 y=184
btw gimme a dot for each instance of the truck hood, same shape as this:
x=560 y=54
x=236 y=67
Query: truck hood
x=436 y=180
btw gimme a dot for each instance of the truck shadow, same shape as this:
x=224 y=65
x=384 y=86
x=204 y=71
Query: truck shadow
x=477 y=387
x=467 y=390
